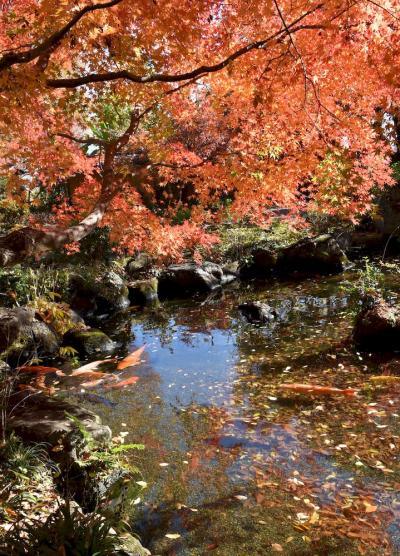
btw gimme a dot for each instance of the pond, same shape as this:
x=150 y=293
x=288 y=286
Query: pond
x=234 y=465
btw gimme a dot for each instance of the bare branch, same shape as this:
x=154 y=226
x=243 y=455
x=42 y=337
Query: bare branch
x=12 y=58
x=88 y=141
x=389 y=12
x=70 y=83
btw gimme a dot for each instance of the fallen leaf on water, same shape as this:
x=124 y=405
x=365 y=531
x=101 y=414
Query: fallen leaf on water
x=240 y=497
x=369 y=508
x=314 y=518
x=131 y=359
x=276 y=547
x=172 y=535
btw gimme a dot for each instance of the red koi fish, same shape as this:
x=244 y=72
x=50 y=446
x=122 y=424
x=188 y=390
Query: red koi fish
x=39 y=369
x=317 y=390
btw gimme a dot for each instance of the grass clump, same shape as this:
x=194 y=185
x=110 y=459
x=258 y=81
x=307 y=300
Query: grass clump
x=238 y=240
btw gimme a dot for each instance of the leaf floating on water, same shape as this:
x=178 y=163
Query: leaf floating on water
x=132 y=359
x=369 y=508
x=163 y=464
x=240 y=497
x=172 y=535
x=276 y=547
x=314 y=518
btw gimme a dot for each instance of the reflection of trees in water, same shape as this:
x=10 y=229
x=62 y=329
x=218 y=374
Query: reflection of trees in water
x=271 y=451
x=307 y=327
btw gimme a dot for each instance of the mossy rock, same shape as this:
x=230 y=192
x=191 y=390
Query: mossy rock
x=23 y=336
x=261 y=263
x=318 y=255
x=143 y=292
x=96 y=294
x=90 y=342
x=130 y=546
x=139 y=265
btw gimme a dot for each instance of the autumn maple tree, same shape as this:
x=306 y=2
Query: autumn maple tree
x=156 y=108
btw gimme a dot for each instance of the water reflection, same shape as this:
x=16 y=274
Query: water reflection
x=243 y=468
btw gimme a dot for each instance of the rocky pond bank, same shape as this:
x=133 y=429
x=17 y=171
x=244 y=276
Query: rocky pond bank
x=87 y=320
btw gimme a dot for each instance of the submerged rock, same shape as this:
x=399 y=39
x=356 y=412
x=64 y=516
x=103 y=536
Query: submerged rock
x=90 y=342
x=377 y=327
x=319 y=255
x=257 y=312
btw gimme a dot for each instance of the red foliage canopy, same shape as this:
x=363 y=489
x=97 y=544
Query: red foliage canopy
x=215 y=106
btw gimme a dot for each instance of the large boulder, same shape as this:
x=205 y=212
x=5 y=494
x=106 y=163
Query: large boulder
x=52 y=421
x=319 y=255
x=377 y=327
x=257 y=312
x=261 y=263
x=89 y=342
x=23 y=335
x=98 y=295
x=12 y=322
x=185 y=279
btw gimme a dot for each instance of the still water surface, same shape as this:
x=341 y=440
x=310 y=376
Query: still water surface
x=236 y=467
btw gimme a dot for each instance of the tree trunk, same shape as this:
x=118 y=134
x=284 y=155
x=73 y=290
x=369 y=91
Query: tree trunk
x=26 y=242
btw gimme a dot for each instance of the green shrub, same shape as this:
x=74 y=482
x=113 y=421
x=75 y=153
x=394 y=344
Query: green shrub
x=12 y=214
x=368 y=284
x=20 y=285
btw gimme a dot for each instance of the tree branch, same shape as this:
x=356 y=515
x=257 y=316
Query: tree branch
x=89 y=141
x=12 y=58
x=73 y=82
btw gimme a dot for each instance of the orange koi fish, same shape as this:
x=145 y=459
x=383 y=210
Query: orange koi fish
x=131 y=359
x=39 y=369
x=317 y=390
x=385 y=378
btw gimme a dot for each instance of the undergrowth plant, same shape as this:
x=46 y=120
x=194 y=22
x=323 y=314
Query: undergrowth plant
x=21 y=285
x=368 y=285
x=67 y=532
x=93 y=452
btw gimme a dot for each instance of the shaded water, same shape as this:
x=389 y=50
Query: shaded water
x=235 y=466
